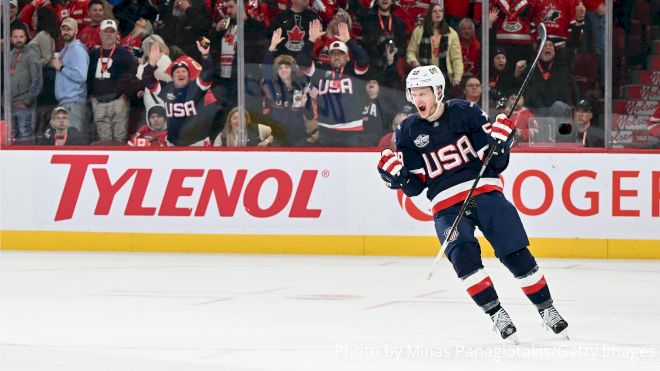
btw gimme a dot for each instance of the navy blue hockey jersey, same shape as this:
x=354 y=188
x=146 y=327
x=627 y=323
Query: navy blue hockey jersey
x=182 y=105
x=340 y=92
x=446 y=154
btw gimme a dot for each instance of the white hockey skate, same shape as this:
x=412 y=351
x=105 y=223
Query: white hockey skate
x=552 y=320
x=504 y=326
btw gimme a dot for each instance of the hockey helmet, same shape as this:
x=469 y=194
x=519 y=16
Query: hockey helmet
x=422 y=76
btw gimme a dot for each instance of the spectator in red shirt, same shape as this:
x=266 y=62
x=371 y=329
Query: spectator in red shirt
x=470 y=48
x=90 y=36
x=28 y=13
x=526 y=126
x=78 y=10
x=457 y=10
x=133 y=41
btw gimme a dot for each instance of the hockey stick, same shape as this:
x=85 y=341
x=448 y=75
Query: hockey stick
x=448 y=238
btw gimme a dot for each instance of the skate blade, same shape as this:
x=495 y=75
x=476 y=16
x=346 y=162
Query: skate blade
x=564 y=334
x=512 y=339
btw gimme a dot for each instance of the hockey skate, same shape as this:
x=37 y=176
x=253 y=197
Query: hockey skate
x=502 y=323
x=554 y=321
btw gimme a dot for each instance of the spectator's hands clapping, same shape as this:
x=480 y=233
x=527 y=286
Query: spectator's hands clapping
x=521 y=66
x=344 y=35
x=315 y=30
x=275 y=40
x=580 y=11
x=492 y=16
x=155 y=54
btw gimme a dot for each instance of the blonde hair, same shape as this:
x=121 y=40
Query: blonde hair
x=227 y=132
x=146 y=44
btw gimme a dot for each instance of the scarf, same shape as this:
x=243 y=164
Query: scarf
x=426 y=51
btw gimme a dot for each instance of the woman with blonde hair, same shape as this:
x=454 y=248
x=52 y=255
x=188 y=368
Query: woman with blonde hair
x=257 y=134
x=435 y=43
x=161 y=68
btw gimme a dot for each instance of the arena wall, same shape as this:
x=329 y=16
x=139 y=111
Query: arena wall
x=574 y=205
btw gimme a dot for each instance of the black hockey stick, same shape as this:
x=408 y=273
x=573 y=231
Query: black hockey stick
x=543 y=36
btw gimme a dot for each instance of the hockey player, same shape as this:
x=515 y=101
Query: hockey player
x=440 y=149
x=189 y=114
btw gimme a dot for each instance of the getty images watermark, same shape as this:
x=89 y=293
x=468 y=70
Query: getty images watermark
x=496 y=353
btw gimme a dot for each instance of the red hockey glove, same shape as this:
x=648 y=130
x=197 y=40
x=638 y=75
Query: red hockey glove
x=391 y=169
x=502 y=128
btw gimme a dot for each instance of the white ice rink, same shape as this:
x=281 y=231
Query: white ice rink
x=185 y=312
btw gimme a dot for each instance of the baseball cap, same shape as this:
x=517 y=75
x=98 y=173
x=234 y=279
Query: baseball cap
x=583 y=105
x=14 y=3
x=178 y=64
x=108 y=23
x=338 y=45
x=70 y=23
x=57 y=110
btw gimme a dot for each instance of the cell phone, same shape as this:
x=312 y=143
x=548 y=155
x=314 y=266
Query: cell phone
x=390 y=45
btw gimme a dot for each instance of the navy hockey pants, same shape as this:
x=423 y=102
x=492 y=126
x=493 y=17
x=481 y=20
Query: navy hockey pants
x=497 y=219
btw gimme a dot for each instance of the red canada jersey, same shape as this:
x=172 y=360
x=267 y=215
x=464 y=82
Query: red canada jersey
x=90 y=36
x=131 y=42
x=28 y=10
x=409 y=10
x=145 y=137
x=257 y=9
x=78 y=11
x=558 y=16
x=515 y=23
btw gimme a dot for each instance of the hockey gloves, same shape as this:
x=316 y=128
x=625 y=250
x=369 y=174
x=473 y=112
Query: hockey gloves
x=501 y=131
x=391 y=169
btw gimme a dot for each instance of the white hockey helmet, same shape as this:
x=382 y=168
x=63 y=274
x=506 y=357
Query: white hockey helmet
x=430 y=76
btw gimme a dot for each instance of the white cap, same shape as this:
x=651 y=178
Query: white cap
x=339 y=45
x=108 y=23
x=14 y=3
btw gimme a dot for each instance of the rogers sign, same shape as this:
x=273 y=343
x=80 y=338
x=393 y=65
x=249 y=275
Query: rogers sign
x=226 y=188
x=560 y=191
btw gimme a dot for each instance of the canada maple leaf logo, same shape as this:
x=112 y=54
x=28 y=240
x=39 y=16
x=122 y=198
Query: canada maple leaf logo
x=296 y=34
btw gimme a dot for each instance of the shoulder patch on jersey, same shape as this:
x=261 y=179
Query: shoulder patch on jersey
x=422 y=140
x=171 y=96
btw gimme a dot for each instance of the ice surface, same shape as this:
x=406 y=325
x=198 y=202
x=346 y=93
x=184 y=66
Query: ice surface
x=190 y=312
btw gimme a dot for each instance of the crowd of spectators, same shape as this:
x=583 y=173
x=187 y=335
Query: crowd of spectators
x=322 y=72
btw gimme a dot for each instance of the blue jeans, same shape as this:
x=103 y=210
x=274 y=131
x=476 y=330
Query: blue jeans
x=22 y=127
